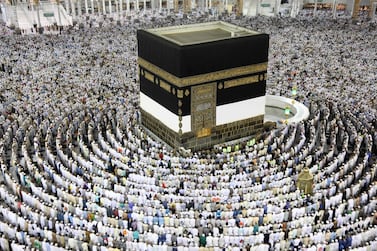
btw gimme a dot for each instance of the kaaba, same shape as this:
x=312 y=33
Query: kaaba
x=202 y=84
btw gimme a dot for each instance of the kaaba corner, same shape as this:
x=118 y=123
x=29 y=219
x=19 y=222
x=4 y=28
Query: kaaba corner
x=202 y=84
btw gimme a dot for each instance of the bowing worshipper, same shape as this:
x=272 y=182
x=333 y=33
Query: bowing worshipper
x=202 y=240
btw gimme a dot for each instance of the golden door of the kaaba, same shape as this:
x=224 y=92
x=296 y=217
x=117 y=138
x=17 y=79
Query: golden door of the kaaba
x=203 y=109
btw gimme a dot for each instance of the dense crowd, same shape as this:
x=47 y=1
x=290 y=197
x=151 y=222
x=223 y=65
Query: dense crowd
x=78 y=172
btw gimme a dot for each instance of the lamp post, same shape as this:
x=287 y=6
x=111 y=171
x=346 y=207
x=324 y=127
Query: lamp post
x=287 y=111
x=294 y=91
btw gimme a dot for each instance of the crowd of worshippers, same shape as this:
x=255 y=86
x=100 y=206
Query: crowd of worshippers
x=78 y=172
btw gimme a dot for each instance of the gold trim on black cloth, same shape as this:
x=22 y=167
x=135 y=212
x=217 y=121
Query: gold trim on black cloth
x=241 y=81
x=202 y=78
